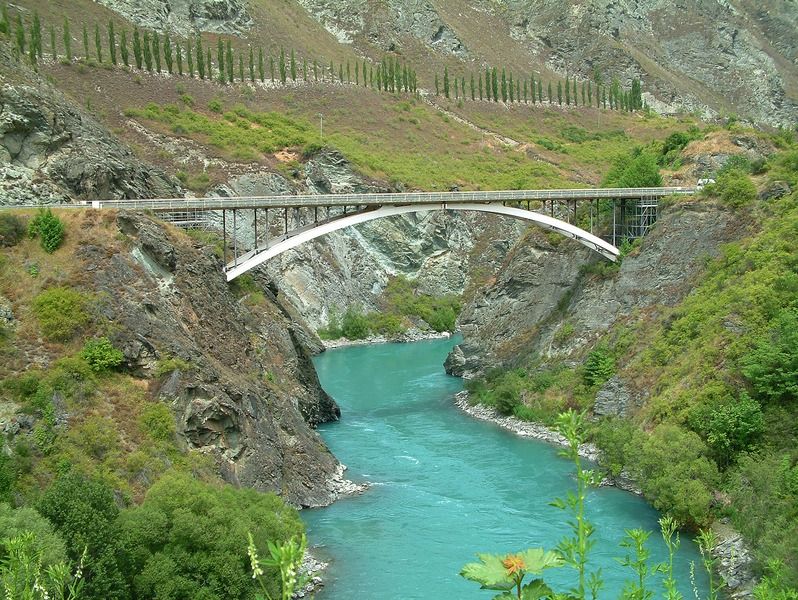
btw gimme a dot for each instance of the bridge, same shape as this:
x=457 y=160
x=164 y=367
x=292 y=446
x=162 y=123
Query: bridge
x=288 y=221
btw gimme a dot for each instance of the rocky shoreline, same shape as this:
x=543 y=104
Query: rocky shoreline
x=734 y=561
x=411 y=335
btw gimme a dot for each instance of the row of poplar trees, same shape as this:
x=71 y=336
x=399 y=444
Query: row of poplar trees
x=499 y=86
x=157 y=53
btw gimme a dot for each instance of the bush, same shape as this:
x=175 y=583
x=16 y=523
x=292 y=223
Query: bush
x=734 y=188
x=15 y=522
x=158 y=422
x=188 y=539
x=772 y=366
x=599 y=366
x=12 y=230
x=636 y=170
x=61 y=312
x=101 y=355
x=49 y=229
x=354 y=324
x=733 y=427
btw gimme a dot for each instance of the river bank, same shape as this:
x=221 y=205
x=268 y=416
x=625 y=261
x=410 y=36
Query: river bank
x=734 y=562
x=406 y=337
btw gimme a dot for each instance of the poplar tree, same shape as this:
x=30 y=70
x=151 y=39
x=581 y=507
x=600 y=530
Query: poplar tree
x=200 y=55
x=189 y=59
x=293 y=66
x=123 y=51
x=112 y=42
x=567 y=91
x=156 y=51
x=487 y=82
x=220 y=59
x=365 y=70
x=446 y=81
x=316 y=71
x=549 y=92
x=511 y=89
x=437 y=86
x=282 y=65
x=589 y=93
x=479 y=84
x=584 y=93
x=147 y=51
x=36 y=37
x=357 y=72
x=20 y=31
x=53 y=47
x=67 y=41
x=98 y=46
x=228 y=58
x=532 y=88
x=252 y=65
x=137 y=48
x=495 y=84
x=271 y=67
x=85 y=42
x=473 y=95
x=559 y=93
x=208 y=64
x=304 y=69
x=167 y=53
x=504 y=86
x=348 y=73
x=341 y=72
x=261 y=66
x=179 y=58
x=241 y=67
x=5 y=21
x=518 y=90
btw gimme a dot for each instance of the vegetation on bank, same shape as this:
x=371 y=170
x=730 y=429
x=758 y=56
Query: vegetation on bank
x=98 y=497
x=717 y=435
x=402 y=305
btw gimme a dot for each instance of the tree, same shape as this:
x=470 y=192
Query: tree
x=112 y=42
x=5 y=21
x=67 y=41
x=179 y=59
x=98 y=46
x=567 y=91
x=437 y=86
x=504 y=86
x=293 y=66
x=189 y=59
x=487 y=83
x=36 y=38
x=584 y=94
x=147 y=51
x=240 y=67
x=589 y=93
x=84 y=513
x=540 y=91
x=53 y=47
x=511 y=88
x=261 y=66
x=348 y=73
x=639 y=169
x=446 y=81
x=283 y=72
x=471 y=88
x=252 y=65
x=479 y=84
x=220 y=59
x=85 y=43
x=229 y=60
x=772 y=365
x=340 y=72
x=304 y=69
x=123 y=51
x=559 y=93
x=495 y=84
x=526 y=91
x=167 y=53
x=49 y=228
x=271 y=67
x=208 y=64
x=137 y=48
x=156 y=52
x=200 y=56
x=576 y=101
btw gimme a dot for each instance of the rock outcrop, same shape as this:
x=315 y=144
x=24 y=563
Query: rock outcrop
x=185 y=17
x=52 y=151
x=544 y=288
x=242 y=385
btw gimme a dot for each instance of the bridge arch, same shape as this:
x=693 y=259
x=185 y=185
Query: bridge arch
x=258 y=256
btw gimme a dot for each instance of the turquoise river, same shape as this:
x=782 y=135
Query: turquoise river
x=445 y=486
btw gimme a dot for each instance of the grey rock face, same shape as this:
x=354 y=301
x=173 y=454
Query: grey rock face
x=249 y=395
x=614 y=399
x=541 y=288
x=776 y=190
x=6 y=314
x=51 y=151
x=185 y=16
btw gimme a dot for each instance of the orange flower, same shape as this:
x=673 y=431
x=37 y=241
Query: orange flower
x=514 y=564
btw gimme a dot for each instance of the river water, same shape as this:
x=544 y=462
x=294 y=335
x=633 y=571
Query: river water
x=445 y=486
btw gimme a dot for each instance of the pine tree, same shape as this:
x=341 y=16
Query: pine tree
x=504 y=86
x=112 y=42
x=167 y=53
x=293 y=66
x=495 y=84
x=53 y=47
x=98 y=46
x=147 y=51
x=123 y=51
x=156 y=51
x=189 y=59
x=85 y=43
x=67 y=41
x=283 y=71
x=479 y=84
x=179 y=58
x=220 y=60
x=261 y=66
x=200 y=56
x=228 y=59
x=252 y=65
x=446 y=82
x=471 y=86
x=137 y=48
x=209 y=64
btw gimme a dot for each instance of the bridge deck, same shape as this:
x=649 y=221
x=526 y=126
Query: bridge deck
x=382 y=199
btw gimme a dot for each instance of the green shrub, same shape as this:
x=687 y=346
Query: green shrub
x=170 y=364
x=61 y=312
x=734 y=188
x=101 y=355
x=386 y=324
x=616 y=440
x=354 y=324
x=17 y=521
x=49 y=229
x=12 y=230
x=158 y=422
x=772 y=365
x=732 y=427
x=636 y=170
x=599 y=366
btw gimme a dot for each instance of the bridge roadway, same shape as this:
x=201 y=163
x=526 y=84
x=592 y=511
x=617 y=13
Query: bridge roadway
x=383 y=199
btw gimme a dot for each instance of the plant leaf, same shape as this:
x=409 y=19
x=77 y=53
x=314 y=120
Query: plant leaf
x=490 y=572
x=536 y=590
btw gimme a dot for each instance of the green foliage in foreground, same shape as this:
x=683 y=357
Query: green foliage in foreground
x=401 y=300
x=61 y=312
x=24 y=576
x=48 y=228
